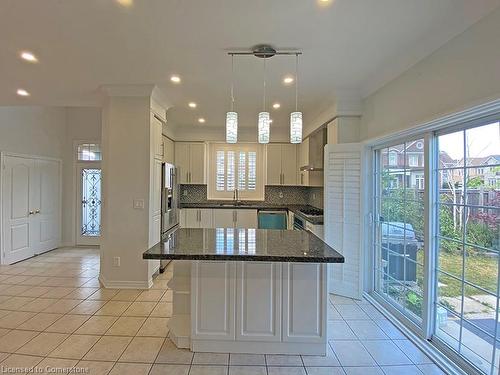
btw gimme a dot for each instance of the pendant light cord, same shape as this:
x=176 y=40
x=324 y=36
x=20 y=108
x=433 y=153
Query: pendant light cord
x=264 y=104
x=296 y=81
x=232 y=83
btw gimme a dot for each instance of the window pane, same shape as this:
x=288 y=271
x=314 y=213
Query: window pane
x=449 y=292
x=91 y=202
x=451 y=150
x=242 y=171
x=482 y=228
x=481 y=269
x=220 y=178
x=89 y=152
x=252 y=170
x=231 y=171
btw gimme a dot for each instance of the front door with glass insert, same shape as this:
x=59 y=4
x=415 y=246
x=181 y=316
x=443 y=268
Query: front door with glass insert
x=89 y=205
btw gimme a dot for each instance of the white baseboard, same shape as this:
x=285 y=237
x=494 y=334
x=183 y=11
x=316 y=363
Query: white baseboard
x=125 y=284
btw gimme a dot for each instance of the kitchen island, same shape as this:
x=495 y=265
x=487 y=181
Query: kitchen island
x=248 y=290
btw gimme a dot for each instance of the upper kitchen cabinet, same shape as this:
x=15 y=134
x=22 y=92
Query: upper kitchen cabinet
x=168 y=150
x=157 y=136
x=190 y=161
x=281 y=164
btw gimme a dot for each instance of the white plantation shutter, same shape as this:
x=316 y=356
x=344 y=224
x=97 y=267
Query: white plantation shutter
x=344 y=216
x=235 y=168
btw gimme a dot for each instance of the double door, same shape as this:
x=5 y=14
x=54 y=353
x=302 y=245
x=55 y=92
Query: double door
x=31 y=206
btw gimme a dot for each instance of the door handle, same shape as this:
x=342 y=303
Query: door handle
x=37 y=211
x=31 y=213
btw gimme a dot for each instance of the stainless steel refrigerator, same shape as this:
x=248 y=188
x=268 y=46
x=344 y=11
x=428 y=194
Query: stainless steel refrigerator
x=169 y=202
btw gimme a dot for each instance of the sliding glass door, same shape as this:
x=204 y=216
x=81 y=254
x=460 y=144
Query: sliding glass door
x=445 y=287
x=399 y=236
x=468 y=244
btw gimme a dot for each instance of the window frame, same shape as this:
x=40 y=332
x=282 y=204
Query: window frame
x=213 y=194
x=478 y=116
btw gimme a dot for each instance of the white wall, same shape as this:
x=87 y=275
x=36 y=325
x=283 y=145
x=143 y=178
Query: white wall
x=33 y=130
x=126 y=177
x=51 y=131
x=462 y=73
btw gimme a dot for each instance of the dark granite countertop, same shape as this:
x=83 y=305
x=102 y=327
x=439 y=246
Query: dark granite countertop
x=264 y=245
x=316 y=220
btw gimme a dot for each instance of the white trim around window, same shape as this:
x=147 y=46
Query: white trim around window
x=236 y=167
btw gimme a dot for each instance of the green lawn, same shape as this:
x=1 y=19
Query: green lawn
x=480 y=270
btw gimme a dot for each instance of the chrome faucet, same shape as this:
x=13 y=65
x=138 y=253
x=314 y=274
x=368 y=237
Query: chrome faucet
x=236 y=196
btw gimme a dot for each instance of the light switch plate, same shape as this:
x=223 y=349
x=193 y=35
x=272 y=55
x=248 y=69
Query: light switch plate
x=139 y=204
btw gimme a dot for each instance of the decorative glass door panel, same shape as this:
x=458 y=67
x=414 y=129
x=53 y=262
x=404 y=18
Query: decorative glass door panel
x=90 y=204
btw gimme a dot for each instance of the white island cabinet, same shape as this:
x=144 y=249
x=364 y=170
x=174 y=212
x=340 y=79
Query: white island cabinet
x=252 y=307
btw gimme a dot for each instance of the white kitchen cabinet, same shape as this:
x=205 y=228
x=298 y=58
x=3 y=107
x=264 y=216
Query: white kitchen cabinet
x=282 y=164
x=168 y=150
x=190 y=161
x=304 y=296
x=212 y=303
x=156 y=129
x=196 y=218
x=258 y=301
x=235 y=218
x=245 y=218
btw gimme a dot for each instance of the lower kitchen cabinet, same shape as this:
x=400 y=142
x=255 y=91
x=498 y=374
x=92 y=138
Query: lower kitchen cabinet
x=247 y=306
x=196 y=218
x=237 y=218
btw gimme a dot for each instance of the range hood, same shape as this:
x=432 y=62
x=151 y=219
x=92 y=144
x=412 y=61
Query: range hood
x=317 y=142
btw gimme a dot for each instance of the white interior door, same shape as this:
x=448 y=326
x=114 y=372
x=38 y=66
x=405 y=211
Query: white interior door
x=344 y=215
x=48 y=205
x=18 y=181
x=88 y=222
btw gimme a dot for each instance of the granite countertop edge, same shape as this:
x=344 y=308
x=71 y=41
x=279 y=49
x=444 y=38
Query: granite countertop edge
x=238 y=257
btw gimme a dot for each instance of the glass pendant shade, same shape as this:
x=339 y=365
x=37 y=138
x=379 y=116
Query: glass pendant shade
x=264 y=127
x=296 y=127
x=231 y=127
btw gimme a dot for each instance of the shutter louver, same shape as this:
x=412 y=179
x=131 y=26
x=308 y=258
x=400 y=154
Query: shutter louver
x=220 y=177
x=231 y=171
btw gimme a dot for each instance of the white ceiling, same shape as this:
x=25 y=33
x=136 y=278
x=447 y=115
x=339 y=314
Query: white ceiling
x=357 y=45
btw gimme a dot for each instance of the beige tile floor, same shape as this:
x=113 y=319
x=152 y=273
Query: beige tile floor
x=55 y=314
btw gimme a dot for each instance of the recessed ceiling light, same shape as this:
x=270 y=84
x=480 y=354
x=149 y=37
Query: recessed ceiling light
x=125 y=3
x=175 y=79
x=325 y=2
x=192 y=105
x=201 y=120
x=288 y=79
x=22 y=92
x=276 y=105
x=28 y=56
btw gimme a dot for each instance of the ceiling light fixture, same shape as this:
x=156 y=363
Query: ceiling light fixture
x=201 y=120
x=232 y=116
x=264 y=52
x=22 y=92
x=296 y=117
x=28 y=56
x=175 y=79
x=192 y=105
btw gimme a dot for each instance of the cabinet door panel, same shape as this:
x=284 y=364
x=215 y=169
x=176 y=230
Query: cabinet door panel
x=206 y=218
x=223 y=218
x=182 y=161
x=274 y=164
x=258 y=303
x=197 y=163
x=213 y=300
x=246 y=218
x=289 y=164
x=156 y=128
x=168 y=150
x=304 y=295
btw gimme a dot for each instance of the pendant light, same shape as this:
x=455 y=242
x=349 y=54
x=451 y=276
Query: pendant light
x=264 y=120
x=296 y=117
x=231 y=116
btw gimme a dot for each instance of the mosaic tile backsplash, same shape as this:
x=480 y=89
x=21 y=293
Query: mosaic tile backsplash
x=273 y=195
